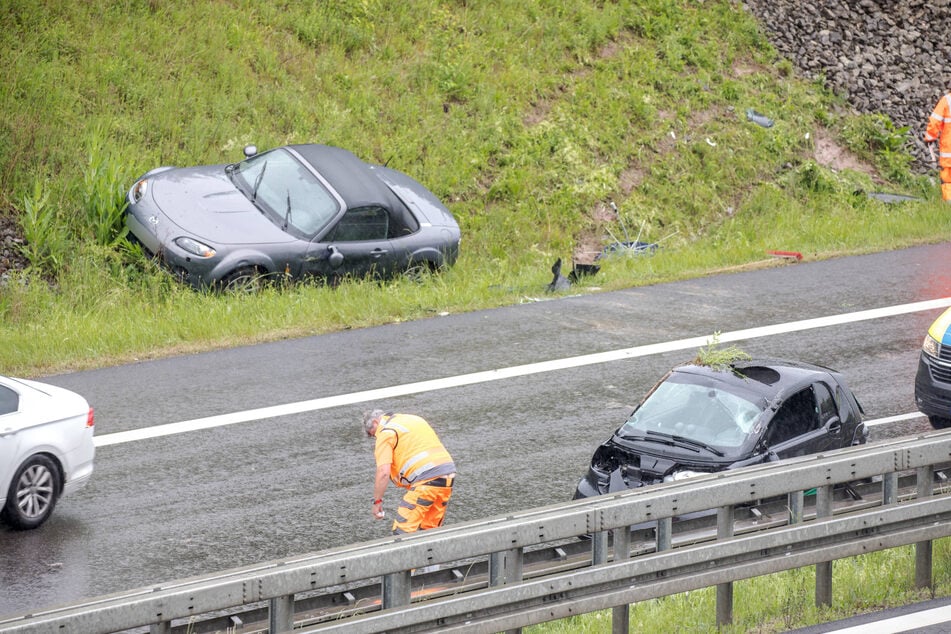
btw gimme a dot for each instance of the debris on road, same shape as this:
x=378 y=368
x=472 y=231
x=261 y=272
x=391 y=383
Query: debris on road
x=758 y=118
x=790 y=255
x=891 y=198
x=559 y=282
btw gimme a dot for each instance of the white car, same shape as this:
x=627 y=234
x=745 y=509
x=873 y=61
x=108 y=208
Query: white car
x=46 y=449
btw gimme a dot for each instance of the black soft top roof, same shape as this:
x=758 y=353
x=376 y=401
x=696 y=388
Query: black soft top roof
x=353 y=179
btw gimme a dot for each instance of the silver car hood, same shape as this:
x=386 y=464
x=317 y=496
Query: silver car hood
x=203 y=203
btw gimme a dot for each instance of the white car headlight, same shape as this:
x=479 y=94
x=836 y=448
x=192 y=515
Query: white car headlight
x=930 y=346
x=139 y=190
x=195 y=247
x=682 y=475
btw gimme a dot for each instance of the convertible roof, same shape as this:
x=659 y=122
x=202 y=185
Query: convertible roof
x=349 y=176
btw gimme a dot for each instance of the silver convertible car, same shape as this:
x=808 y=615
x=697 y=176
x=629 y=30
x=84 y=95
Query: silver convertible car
x=293 y=212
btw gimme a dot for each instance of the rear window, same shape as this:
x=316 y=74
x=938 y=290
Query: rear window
x=9 y=400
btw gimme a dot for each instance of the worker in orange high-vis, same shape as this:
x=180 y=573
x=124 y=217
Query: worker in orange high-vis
x=409 y=453
x=939 y=130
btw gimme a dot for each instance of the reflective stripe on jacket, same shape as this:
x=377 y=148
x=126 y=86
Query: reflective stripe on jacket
x=413 y=450
x=939 y=129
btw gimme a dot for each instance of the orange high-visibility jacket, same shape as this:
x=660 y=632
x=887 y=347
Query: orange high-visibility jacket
x=413 y=450
x=939 y=129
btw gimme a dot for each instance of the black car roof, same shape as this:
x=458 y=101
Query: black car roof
x=349 y=176
x=765 y=377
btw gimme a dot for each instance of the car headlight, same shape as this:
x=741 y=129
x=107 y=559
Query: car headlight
x=682 y=475
x=139 y=190
x=930 y=346
x=195 y=247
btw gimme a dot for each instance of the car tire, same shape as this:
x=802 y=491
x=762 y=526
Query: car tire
x=33 y=493
x=419 y=271
x=247 y=279
x=939 y=422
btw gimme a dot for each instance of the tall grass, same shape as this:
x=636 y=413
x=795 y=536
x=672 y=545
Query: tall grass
x=526 y=118
x=780 y=602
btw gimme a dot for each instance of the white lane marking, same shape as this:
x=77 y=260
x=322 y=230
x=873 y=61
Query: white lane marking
x=894 y=419
x=510 y=372
x=907 y=623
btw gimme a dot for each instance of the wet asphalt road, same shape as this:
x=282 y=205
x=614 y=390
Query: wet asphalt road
x=202 y=501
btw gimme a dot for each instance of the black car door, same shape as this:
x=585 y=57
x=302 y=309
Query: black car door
x=830 y=419
x=796 y=429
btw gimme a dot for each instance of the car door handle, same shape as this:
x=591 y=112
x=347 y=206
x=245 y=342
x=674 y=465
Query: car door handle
x=6 y=432
x=378 y=252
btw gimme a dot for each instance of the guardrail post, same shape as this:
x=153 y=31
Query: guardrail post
x=165 y=627
x=599 y=548
x=725 y=590
x=280 y=614
x=506 y=567
x=397 y=589
x=824 y=568
x=665 y=533
x=890 y=488
x=796 y=503
x=924 y=550
x=621 y=614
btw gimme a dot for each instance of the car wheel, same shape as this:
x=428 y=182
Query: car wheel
x=418 y=271
x=939 y=422
x=247 y=279
x=33 y=493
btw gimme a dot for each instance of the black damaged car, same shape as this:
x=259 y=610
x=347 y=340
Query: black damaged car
x=699 y=419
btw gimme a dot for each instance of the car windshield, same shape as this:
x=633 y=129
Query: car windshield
x=701 y=413
x=286 y=191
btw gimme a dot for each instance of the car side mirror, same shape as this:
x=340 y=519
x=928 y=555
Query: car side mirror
x=336 y=257
x=250 y=150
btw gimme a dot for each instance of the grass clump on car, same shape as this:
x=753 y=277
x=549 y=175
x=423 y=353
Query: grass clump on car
x=717 y=358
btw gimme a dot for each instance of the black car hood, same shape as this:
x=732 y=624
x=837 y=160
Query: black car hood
x=203 y=203
x=640 y=464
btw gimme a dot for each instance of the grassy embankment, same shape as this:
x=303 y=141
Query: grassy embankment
x=526 y=118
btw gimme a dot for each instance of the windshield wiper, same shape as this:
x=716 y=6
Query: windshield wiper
x=287 y=216
x=687 y=441
x=664 y=440
x=257 y=182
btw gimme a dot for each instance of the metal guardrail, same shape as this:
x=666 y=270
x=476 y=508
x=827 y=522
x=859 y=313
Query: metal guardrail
x=614 y=571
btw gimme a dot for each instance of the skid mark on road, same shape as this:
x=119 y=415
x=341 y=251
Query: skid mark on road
x=380 y=394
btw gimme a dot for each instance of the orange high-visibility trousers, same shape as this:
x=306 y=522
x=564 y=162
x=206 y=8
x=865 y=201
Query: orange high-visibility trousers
x=422 y=507
x=946 y=184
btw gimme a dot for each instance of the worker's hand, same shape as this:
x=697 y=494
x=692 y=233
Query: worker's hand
x=934 y=159
x=378 y=510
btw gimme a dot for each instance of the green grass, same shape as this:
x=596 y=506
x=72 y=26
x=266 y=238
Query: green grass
x=783 y=601
x=527 y=118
